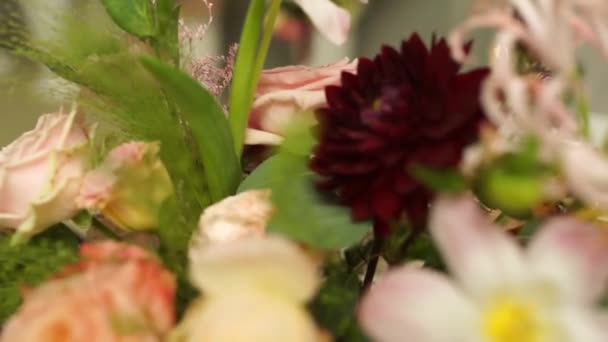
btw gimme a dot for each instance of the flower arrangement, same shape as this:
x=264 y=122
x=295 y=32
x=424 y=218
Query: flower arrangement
x=404 y=197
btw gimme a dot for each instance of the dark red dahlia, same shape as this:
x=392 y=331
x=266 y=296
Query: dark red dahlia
x=403 y=108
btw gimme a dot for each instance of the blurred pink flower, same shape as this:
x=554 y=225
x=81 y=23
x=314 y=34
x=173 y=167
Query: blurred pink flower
x=129 y=187
x=284 y=93
x=499 y=292
x=41 y=172
x=116 y=293
x=332 y=20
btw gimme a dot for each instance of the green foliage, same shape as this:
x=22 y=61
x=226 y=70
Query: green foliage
x=166 y=41
x=449 y=181
x=174 y=231
x=244 y=79
x=335 y=306
x=302 y=213
x=30 y=264
x=208 y=125
x=134 y=16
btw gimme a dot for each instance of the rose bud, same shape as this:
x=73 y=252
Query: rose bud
x=129 y=187
x=243 y=215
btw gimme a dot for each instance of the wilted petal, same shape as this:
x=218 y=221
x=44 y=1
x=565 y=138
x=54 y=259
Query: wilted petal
x=269 y=264
x=479 y=254
x=415 y=305
x=573 y=256
x=329 y=18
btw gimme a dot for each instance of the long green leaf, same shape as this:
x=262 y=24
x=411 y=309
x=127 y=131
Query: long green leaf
x=208 y=123
x=134 y=16
x=243 y=86
x=166 y=41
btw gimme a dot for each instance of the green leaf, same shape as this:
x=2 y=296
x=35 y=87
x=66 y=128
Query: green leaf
x=262 y=176
x=30 y=264
x=450 y=181
x=306 y=215
x=337 y=300
x=244 y=79
x=134 y=16
x=166 y=40
x=208 y=124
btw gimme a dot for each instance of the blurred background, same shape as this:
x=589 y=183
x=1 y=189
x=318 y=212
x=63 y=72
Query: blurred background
x=27 y=90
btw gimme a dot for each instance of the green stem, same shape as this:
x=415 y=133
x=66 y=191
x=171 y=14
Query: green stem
x=582 y=113
x=249 y=63
x=271 y=18
x=372 y=264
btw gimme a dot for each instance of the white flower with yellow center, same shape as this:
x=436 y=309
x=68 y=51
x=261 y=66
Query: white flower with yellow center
x=501 y=293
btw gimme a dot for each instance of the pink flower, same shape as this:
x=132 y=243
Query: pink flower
x=500 y=292
x=285 y=93
x=40 y=174
x=332 y=20
x=116 y=293
x=129 y=187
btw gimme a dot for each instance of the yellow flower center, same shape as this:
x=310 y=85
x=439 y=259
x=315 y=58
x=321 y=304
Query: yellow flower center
x=509 y=320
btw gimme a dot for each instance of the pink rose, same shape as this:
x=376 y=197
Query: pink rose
x=285 y=92
x=129 y=187
x=41 y=172
x=117 y=292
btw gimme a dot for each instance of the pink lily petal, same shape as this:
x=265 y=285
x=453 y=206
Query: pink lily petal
x=411 y=304
x=572 y=255
x=332 y=20
x=478 y=254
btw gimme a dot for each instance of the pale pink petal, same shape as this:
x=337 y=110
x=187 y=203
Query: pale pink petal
x=415 y=305
x=303 y=77
x=573 y=256
x=329 y=18
x=479 y=254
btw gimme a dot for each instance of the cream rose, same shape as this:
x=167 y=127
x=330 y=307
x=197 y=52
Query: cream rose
x=255 y=290
x=41 y=173
x=243 y=215
x=117 y=292
x=283 y=93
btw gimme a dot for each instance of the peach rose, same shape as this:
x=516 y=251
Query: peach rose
x=116 y=293
x=41 y=173
x=129 y=187
x=284 y=93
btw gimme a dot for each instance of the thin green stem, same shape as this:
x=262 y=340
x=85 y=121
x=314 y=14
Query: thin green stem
x=372 y=265
x=582 y=113
x=271 y=18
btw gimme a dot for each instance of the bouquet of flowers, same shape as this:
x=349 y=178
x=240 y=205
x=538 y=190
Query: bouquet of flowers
x=404 y=197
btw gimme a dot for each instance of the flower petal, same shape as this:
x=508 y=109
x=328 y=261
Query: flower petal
x=480 y=255
x=269 y=264
x=329 y=18
x=572 y=255
x=246 y=316
x=417 y=305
